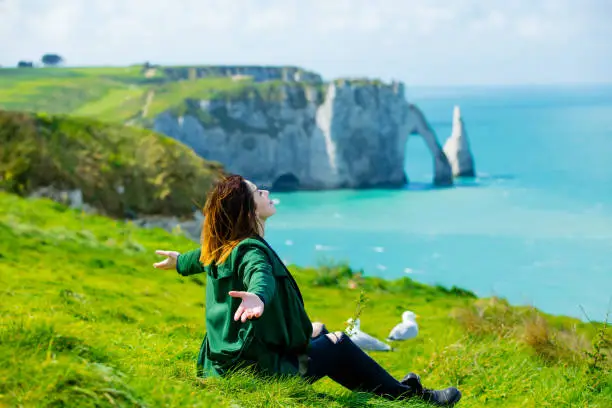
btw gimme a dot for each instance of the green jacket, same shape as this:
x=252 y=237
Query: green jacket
x=271 y=343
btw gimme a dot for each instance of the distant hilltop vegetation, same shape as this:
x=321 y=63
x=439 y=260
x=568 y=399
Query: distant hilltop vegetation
x=254 y=72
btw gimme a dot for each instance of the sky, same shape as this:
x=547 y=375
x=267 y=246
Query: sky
x=420 y=42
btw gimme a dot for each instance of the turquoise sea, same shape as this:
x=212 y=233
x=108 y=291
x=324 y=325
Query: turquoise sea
x=534 y=227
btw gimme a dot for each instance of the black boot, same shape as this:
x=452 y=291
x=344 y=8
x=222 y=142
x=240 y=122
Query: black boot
x=446 y=397
x=414 y=381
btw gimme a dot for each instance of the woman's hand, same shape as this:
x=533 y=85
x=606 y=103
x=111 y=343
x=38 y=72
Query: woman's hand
x=250 y=307
x=169 y=262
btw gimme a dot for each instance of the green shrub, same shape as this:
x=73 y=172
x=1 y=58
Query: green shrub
x=332 y=273
x=117 y=169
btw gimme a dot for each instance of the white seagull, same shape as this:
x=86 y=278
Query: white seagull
x=407 y=329
x=364 y=340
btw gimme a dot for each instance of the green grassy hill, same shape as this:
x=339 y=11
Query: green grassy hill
x=117 y=94
x=109 y=94
x=104 y=93
x=117 y=168
x=86 y=321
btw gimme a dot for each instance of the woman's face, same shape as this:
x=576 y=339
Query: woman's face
x=264 y=207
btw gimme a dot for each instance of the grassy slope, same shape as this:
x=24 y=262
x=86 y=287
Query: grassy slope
x=104 y=93
x=122 y=95
x=108 y=94
x=159 y=174
x=86 y=321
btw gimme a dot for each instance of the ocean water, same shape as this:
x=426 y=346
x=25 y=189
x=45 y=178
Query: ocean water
x=534 y=227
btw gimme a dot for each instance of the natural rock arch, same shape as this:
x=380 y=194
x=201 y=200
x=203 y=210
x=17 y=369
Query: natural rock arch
x=417 y=124
x=286 y=182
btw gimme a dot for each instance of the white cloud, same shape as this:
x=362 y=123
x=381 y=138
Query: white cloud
x=410 y=40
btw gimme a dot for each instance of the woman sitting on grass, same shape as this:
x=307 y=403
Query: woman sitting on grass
x=255 y=313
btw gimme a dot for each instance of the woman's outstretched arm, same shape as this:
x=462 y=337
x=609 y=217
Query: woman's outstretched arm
x=185 y=264
x=256 y=273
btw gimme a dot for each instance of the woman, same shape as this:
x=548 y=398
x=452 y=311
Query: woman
x=255 y=313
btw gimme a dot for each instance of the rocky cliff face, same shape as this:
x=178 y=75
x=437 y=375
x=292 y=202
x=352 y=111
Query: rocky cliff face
x=346 y=134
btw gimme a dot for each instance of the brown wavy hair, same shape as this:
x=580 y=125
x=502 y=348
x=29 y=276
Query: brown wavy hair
x=229 y=217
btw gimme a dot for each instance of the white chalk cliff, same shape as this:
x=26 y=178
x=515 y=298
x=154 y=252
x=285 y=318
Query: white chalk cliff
x=345 y=134
x=457 y=148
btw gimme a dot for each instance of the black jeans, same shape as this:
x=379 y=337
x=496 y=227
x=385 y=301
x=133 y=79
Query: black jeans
x=345 y=363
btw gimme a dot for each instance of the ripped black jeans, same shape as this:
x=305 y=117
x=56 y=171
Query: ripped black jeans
x=345 y=363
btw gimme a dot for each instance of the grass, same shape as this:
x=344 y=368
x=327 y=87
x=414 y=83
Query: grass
x=118 y=105
x=121 y=94
x=66 y=90
x=173 y=94
x=158 y=174
x=86 y=321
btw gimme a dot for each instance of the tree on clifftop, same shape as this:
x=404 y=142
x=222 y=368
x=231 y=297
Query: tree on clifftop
x=52 y=59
